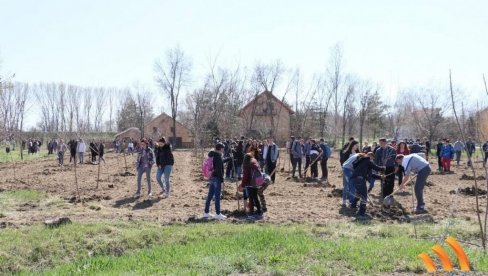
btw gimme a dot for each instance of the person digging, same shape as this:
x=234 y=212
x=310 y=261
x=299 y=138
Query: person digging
x=417 y=164
x=363 y=167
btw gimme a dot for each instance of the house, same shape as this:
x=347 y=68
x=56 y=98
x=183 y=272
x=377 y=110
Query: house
x=267 y=116
x=162 y=125
x=130 y=133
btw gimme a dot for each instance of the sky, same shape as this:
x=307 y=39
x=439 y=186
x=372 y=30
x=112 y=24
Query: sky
x=396 y=44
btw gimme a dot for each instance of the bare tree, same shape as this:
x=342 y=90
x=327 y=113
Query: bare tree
x=335 y=81
x=72 y=102
x=428 y=113
x=347 y=107
x=364 y=107
x=482 y=231
x=87 y=108
x=111 y=94
x=171 y=76
x=265 y=78
x=13 y=105
x=100 y=98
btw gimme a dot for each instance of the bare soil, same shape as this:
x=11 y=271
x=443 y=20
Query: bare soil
x=289 y=200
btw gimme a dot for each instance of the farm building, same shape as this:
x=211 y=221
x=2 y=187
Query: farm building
x=267 y=116
x=162 y=125
x=132 y=132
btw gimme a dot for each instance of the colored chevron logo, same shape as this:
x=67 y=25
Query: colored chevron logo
x=444 y=257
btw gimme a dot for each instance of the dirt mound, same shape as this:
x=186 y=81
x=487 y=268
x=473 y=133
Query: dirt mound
x=469 y=177
x=442 y=173
x=469 y=191
x=393 y=213
x=235 y=213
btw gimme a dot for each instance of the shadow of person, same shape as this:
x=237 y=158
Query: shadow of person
x=146 y=203
x=124 y=201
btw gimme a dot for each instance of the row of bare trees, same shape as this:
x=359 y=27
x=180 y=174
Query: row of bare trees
x=61 y=107
x=333 y=104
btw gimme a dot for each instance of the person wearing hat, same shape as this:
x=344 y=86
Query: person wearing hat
x=216 y=180
x=417 y=164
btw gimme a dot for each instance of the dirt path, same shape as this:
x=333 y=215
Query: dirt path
x=288 y=200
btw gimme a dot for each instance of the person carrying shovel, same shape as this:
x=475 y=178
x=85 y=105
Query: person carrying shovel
x=417 y=164
x=363 y=166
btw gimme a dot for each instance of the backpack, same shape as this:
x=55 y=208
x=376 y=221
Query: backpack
x=207 y=168
x=257 y=178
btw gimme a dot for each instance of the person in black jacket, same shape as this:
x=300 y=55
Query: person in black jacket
x=101 y=152
x=362 y=171
x=216 y=181
x=239 y=159
x=93 y=151
x=73 y=144
x=165 y=162
x=439 y=150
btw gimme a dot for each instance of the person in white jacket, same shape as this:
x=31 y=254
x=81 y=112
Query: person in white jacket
x=81 y=150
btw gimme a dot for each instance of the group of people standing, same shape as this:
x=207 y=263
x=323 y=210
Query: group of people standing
x=244 y=160
x=77 y=149
x=33 y=146
x=148 y=154
x=132 y=145
x=383 y=161
x=314 y=152
x=446 y=152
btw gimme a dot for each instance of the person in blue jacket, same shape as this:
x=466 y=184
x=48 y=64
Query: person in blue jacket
x=447 y=154
x=326 y=155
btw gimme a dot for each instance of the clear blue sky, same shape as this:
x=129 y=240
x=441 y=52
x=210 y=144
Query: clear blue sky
x=115 y=42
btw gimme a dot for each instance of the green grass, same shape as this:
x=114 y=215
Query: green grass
x=9 y=198
x=138 y=248
x=22 y=195
x=15 y=155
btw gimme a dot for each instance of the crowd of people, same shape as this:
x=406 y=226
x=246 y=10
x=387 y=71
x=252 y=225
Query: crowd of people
x=33 y=146
x=382 y=161
x=389 y=160
x=253 y=163
x=249 y=160
x=77 y=149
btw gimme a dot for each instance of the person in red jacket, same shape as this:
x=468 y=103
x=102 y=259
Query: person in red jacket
x=250 y=165
x=403 y=149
